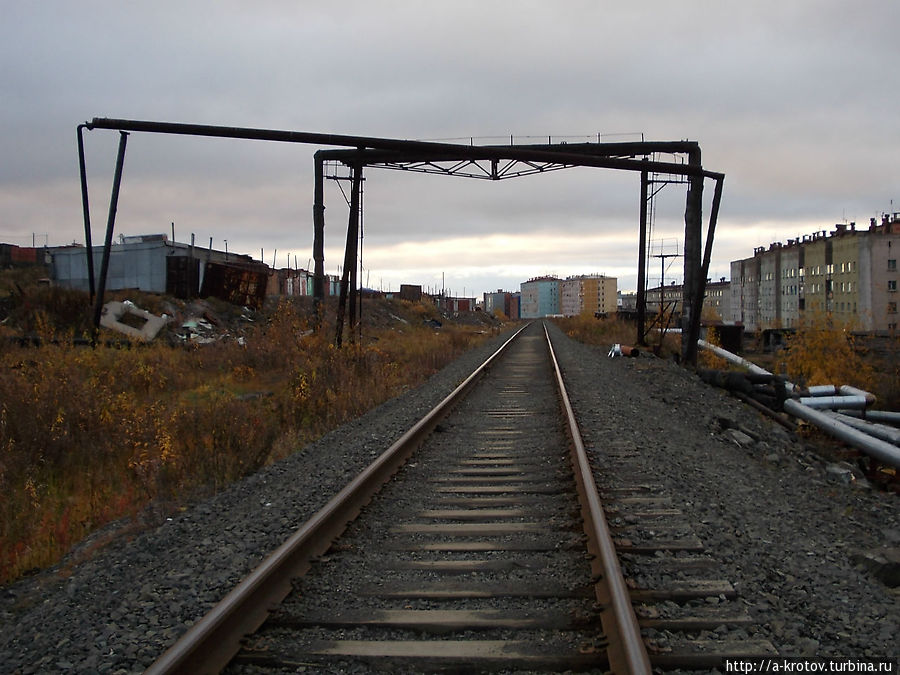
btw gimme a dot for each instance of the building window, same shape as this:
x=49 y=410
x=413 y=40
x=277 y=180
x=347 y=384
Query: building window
x=892 y=308
x=892 y=285
x=892 y=264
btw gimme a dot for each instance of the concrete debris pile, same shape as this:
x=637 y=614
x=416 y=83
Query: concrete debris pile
x=129 y=319
x=202 y=325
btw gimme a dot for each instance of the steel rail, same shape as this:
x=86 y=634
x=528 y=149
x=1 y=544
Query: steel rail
x=210 y=644
x=627 y=652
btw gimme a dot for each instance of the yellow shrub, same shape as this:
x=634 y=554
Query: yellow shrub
x=822 y=351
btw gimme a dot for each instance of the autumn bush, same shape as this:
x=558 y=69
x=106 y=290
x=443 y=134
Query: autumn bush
x=823 y=351
x=707 y=358
x=89 y=435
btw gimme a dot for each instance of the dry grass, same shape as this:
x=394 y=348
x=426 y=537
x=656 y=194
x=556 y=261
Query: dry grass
x=91 y=435
x=613 y=330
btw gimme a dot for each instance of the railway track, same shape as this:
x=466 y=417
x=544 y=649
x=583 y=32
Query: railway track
x=486 y=550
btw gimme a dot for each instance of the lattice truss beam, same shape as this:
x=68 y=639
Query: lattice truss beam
x=492 y=168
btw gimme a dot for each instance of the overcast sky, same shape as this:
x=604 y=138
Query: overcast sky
x=797 y=102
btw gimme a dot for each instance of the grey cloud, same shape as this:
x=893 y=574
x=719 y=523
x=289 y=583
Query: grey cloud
x=795 y=102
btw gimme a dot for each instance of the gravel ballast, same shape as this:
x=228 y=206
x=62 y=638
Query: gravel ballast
x=787 y=532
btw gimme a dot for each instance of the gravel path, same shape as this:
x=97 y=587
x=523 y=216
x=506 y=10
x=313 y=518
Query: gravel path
x=786 y=536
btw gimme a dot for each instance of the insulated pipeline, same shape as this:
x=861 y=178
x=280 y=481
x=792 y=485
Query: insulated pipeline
x=880 y=450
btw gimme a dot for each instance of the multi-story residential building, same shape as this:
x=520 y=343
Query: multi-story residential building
x=502 y=302
x=769 y=294
x=571 y=301
x=845 y=245
x=745 y=292
x=626 y=302
x=593 y=294
x=495 y=302
x=818 y=269
x=604 y=290
x=515 y=300
x=672 y=298
x=878 y=262
x=791 y=283
x=849 y=274
x=717 y=300
x=540 y=297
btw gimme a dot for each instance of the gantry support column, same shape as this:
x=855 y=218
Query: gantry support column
x=319 y=237
x=642 y=264
x=85 y=207
x=110 y=226
x=348 y=276
x=694 y=282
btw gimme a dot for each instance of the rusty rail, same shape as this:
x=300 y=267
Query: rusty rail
x=627 y=652
x=209 y=644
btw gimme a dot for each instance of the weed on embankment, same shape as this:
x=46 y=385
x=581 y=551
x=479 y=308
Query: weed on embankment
x=90 y=435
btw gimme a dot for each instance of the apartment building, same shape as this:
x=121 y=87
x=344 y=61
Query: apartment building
x=717 y=300
x=502 y=302
x=850 y=274
x=588 y=294
x=791 y=273
x=540 y=297
x=745 y=292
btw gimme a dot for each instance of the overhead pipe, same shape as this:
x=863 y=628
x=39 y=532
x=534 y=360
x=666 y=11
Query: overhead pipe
x=524 y=153
x=874 y=447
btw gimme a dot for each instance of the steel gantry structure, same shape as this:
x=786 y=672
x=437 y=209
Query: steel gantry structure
x=489 y=162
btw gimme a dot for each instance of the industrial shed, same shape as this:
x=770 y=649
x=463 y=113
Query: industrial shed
x=149 y=263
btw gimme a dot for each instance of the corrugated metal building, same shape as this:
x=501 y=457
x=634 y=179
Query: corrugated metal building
x=149 y=263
